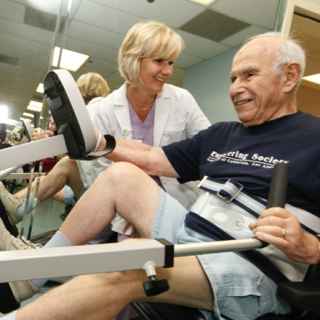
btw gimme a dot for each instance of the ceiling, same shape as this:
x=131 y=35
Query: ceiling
x=97 y=28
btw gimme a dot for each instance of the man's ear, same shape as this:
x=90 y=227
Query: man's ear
x=291 y=72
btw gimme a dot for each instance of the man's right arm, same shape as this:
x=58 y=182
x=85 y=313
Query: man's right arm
x=152 y=160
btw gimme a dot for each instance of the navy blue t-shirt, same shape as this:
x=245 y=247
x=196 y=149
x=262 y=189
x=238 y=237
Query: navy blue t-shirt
x=229 y=150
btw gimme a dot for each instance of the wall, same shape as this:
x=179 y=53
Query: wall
x=209 y=83
x=308 y=100
x=314 y=1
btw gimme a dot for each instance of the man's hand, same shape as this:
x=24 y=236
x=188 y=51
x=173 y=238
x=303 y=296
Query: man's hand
x=282 y=229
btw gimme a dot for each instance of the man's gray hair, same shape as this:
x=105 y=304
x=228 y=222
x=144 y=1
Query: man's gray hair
x=289 y=50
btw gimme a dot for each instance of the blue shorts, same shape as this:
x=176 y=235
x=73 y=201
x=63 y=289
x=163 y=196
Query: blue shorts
x=241 y=290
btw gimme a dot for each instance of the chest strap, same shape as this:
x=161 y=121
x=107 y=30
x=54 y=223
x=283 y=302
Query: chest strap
x=232 y=191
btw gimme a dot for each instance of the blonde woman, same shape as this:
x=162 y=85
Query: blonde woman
x=147 y=109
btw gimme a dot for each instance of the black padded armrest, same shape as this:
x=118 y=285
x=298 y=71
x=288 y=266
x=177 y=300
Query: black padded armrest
x=303 y=295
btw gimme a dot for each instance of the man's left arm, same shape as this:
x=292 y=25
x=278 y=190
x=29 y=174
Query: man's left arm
x=152 y=160
x=282 y=229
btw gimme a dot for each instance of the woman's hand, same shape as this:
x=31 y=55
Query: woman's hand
x=282 y=229
x=38 y=134
x=52 y=127
x=133 y=230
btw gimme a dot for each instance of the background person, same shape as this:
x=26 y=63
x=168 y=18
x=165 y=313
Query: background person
x=69 y=179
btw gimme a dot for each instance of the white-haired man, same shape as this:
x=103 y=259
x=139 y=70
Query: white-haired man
x=265 y=73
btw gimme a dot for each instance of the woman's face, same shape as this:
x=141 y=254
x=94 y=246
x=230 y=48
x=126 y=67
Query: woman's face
x=154 y=73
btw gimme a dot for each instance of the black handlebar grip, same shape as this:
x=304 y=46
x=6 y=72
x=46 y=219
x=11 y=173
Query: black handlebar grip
x=278 y=186
x=278 y=189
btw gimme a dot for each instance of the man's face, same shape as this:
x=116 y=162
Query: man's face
x=256 y=91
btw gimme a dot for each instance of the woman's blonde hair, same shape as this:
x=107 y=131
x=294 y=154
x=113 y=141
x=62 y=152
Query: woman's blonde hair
x=147 y=39
x=92 y=85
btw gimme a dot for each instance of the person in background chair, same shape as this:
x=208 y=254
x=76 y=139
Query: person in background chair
x=69 y=179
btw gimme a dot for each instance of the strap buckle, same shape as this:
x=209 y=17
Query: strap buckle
x=229 y=190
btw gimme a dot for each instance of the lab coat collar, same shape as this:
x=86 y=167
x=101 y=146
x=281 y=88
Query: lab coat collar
x=163 y=108
x=95 y=100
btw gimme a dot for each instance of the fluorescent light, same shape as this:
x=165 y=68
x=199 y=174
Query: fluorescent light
x=21 y=118
x=70 y=60
x=28 y=115
x=3 y=114
x=13 y=122
x=40 y=88
x=315 y=78
x=204 y=2
x=33 y=108
x=35 y=104
x=55 y=59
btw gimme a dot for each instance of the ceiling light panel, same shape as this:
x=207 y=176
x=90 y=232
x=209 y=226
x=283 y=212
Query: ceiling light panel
x=3 y=114
x=33 y=108
x=203 y=2
x=35 y=104
x=28 y=115
x=315 y=78
x=40 y=88
x=70 y=60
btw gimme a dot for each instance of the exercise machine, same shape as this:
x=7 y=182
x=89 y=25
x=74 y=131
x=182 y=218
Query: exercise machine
x=76 y=137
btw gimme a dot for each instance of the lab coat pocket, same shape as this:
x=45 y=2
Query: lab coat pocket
x=175 y=131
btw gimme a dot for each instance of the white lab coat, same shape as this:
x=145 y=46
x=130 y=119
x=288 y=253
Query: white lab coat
x=177 y=117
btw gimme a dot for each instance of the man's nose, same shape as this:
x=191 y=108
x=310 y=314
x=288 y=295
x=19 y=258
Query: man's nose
x=236 y=87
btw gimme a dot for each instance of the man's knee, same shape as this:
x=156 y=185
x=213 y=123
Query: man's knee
x=121 y=172
x=130 y=281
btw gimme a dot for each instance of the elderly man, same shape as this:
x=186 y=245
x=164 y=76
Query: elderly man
x=265 y=75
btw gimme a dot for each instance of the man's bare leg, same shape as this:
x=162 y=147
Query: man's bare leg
x=103 y=296
x=122 y=188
